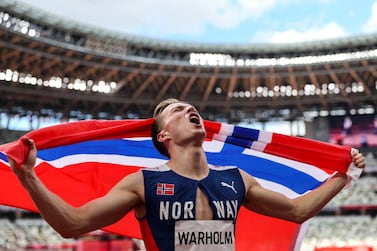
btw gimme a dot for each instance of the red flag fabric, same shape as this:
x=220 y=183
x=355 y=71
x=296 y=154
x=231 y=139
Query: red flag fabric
x=82 y=160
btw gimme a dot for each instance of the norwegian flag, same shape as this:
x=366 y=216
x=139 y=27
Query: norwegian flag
x=81 y=161
x=165 y=189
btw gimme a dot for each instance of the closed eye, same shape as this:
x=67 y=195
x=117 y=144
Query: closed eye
x=177 y=108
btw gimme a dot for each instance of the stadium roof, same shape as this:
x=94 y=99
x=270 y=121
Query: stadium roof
x=48 y=63
x=47 y=18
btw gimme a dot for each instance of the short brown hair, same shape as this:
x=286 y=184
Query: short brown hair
x=156 y=127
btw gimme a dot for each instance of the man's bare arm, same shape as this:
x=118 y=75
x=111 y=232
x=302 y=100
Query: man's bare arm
x=299 y=209
x=72 y=221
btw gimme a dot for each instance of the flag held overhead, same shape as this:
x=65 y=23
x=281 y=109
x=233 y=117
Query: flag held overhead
x=80 y=161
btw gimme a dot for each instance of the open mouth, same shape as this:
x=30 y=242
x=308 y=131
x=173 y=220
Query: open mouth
x=194 y=118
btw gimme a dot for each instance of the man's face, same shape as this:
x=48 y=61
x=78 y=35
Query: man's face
x=181 y=122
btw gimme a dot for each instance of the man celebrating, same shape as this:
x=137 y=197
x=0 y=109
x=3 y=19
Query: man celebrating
x=185 y=204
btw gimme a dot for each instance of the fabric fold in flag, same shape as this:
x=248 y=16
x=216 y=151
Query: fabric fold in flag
x=82 y=160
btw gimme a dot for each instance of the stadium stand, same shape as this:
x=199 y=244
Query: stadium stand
x=341 y=231
x=54 y=70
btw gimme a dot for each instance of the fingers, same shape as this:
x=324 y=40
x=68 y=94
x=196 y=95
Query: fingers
x=30 y=143
x=30 y=158
x=359 y=160
x=354 y=152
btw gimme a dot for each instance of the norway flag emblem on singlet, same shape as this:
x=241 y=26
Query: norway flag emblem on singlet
x=165 y=189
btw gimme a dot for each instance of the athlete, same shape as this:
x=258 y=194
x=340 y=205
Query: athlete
x=185 y=204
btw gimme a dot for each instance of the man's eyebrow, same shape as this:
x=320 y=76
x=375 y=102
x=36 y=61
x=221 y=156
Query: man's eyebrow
x=178 y=105
x=168 y=108
x=175 y=108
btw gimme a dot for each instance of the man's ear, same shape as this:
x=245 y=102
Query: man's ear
x=161 y=136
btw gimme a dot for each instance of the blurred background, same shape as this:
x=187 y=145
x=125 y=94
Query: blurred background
x=292 y=67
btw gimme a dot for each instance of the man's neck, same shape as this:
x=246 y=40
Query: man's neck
x=190 y=162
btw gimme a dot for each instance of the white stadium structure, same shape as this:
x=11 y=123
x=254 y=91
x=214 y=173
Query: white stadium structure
x=54 y=70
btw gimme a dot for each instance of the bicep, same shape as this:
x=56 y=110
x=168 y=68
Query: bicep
x=265 y=201
x=111 y=207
